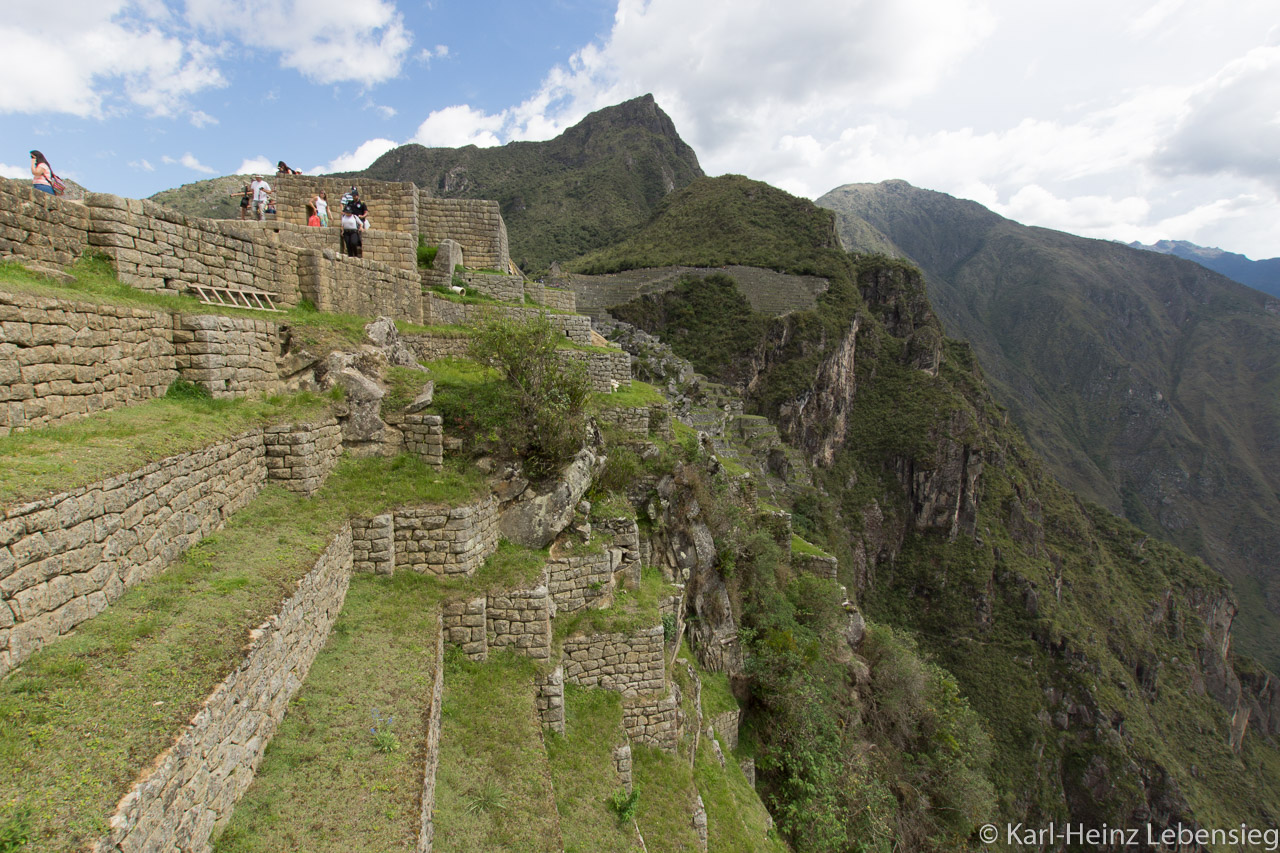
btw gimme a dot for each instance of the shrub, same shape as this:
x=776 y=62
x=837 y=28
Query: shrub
x=547 y=396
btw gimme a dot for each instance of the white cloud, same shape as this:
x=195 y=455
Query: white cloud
x=144 y=165
x=14 y=172
x=361 y=158
x=256 y=166
x=200 y=118
x=82 y=56
x=427 y=54
x=1232 y=122
x=328 y=41
x=190 y=162
x=453 y=127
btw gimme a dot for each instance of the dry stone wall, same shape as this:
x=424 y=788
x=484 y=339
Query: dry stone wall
x=550 y=699
x=625 y=662
x=374 y=544
x=583 y=581
x=156 y=248
x=438 y=311
x=446 y=540
x=652 y=719
x=814 y=564
x=301 y=456
x=464 y=626
x=393 y=205
x=476 y=225
x=341 y=285
x=432 y=347
x=424 y=437
x=193 y=787
x=35 y=226
x=61 y=360
x=426 y=832
x=229 y=356
x=65 y=558
x=506 y=288
x=603 y=368
x=521 y=619
x=392 y=248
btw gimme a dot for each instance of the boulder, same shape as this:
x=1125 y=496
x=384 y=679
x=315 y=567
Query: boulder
x=537 y=515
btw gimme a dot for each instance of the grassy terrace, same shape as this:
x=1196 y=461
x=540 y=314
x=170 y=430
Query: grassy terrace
x=81 y=718
x=96 y=282
x=326 y=783
x=493 y=786
x=583 y=772
x=630 y=611
x=54 y=459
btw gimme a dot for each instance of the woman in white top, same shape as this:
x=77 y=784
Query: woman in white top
x=321 y=206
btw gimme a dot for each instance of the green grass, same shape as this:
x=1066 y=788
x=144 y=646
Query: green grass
x=630 y=611
x=403 y=385
x=80 y=719
x=667 y=797
x=583 y=772
x=640 y=394
x=717 y=697
x=364 y=487
x=804 y=548
x=493 y=786
x=510 y=567
x=736 y=818
x=53 y=459
x=324 y=785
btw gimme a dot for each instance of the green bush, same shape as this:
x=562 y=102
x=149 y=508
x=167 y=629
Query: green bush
x=546 y=396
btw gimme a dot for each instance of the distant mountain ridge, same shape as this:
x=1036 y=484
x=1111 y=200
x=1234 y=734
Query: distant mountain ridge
x=1261 y=275
x=589 y=187
x=1149 y=383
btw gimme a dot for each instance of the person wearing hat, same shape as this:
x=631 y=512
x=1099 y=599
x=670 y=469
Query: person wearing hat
x=353 y=222
x=261 y=197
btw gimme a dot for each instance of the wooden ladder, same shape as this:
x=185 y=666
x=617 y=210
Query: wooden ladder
x=235 y=297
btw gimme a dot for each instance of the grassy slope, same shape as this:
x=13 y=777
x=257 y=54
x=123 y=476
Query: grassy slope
x=1089 y=646
x=324 y=785
x=82 y=717
x=493 y=786
x=1144 y=380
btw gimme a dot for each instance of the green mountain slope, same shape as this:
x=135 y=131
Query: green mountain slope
x=586 y=188
x=1148 y=383
x=1092 y=655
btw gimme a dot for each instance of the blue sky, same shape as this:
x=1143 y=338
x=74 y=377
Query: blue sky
x=1120 y=119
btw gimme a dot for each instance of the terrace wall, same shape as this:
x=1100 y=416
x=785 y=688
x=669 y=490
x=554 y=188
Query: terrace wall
x=62 y=360
x=194 y=785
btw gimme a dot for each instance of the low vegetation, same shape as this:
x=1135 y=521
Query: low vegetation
x=344 y=770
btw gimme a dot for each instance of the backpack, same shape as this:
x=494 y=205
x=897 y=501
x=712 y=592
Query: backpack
x=58 y=186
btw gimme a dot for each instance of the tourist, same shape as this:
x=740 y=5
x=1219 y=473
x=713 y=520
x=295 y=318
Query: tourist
x=261 y=197
x=320 y=204
x=41 y=174
x=283 y=169
x=353 y=222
